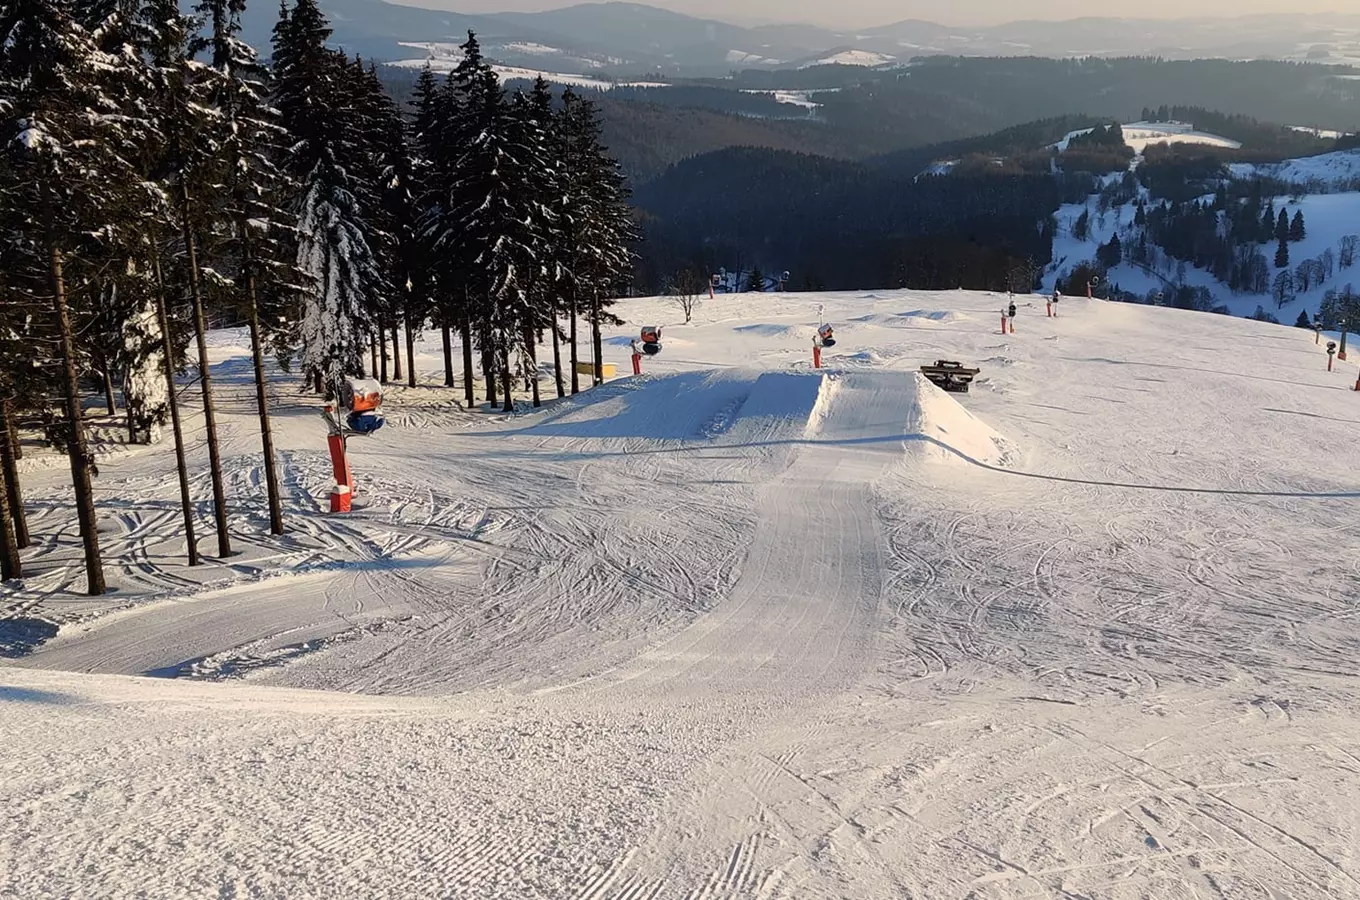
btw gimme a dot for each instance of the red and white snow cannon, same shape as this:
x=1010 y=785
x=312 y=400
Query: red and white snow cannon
x=826 y=337
x=651 y=339
x=363 y=398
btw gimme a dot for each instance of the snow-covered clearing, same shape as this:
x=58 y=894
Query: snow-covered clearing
x=733 y=629
x=443 y=58
x=802 y=99
x=1141 y=135
x=753 y=59
x=853 y=57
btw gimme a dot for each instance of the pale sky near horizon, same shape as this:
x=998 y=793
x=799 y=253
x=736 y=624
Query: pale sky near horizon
x=864 y=13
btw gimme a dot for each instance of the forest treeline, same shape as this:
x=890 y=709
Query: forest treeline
x=154 y=176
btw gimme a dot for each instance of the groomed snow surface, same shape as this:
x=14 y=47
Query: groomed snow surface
x=733 y=629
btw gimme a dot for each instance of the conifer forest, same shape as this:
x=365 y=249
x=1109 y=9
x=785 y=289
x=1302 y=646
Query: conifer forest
x=158 y=179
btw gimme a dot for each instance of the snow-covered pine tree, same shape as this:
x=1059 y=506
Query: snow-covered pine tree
x=1282 y=254
x=191 y=178
x=142 y=363
x=431 y=184
x=255 y=235
x=1297 y=230
x=498 y=228
x=598 y=220
x=469 y=126
x=546 y=189
x=335 y=256
x=755 y=282
x=380 y=144
x=538 y=185
x=67 y=186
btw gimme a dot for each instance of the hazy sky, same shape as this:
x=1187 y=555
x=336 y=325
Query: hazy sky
x=861 y=13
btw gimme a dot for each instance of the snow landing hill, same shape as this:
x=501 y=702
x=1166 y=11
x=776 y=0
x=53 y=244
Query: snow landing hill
x=735 y=628
x=1325 y=188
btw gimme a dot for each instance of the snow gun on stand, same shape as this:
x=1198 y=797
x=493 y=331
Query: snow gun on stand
x=651 y=339
x=362 y=400
x=651 y=345
x=825 y=337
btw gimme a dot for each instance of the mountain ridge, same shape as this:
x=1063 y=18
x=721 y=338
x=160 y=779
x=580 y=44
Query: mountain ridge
x=631 y=38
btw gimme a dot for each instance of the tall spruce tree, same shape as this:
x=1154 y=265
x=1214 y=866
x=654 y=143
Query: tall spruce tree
x=255 y=235
x=547 y=186
x=598 y=223
x=335 y=255
x=467 y=204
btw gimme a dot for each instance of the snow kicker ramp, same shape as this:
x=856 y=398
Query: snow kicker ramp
x=727 y=404
x=881 y=411
x=888 y=411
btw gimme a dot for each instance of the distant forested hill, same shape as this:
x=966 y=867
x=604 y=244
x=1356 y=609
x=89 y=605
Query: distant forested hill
x=937 y=100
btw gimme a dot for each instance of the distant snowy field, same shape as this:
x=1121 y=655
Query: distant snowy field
x=443 y=58
x=733 y=629
x=852 y=57
x=1141 y=135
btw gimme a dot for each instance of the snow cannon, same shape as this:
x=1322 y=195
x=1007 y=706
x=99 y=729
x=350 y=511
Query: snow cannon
x=363 y=398
x=651 y=339
x=826 y=336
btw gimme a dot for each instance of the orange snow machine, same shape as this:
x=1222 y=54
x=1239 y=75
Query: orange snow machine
x=651 y=339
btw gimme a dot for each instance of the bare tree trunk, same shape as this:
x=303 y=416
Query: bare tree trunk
x=168 y=368
x=316 y=383
x=205 y=380
x=76 y=446
x=465 y=332
x=488 y=369
x=557 y=354
x=373 y=354
x=396 y=352
x=109 y=402
x=17 y=448
x=506 y=374
x=9 y=442
x=595 y=337
x=530 y=342
x=410 y=350
x=448 y=352
x=381 y=339
x=575 y=353
x=271 y=474
x=11 y=566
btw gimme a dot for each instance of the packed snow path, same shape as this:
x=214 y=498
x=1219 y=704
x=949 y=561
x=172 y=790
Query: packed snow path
x=735 y=629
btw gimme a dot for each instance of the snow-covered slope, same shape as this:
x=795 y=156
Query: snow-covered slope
x=736 y=628
x=1329 y=218
x=1329 y=171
